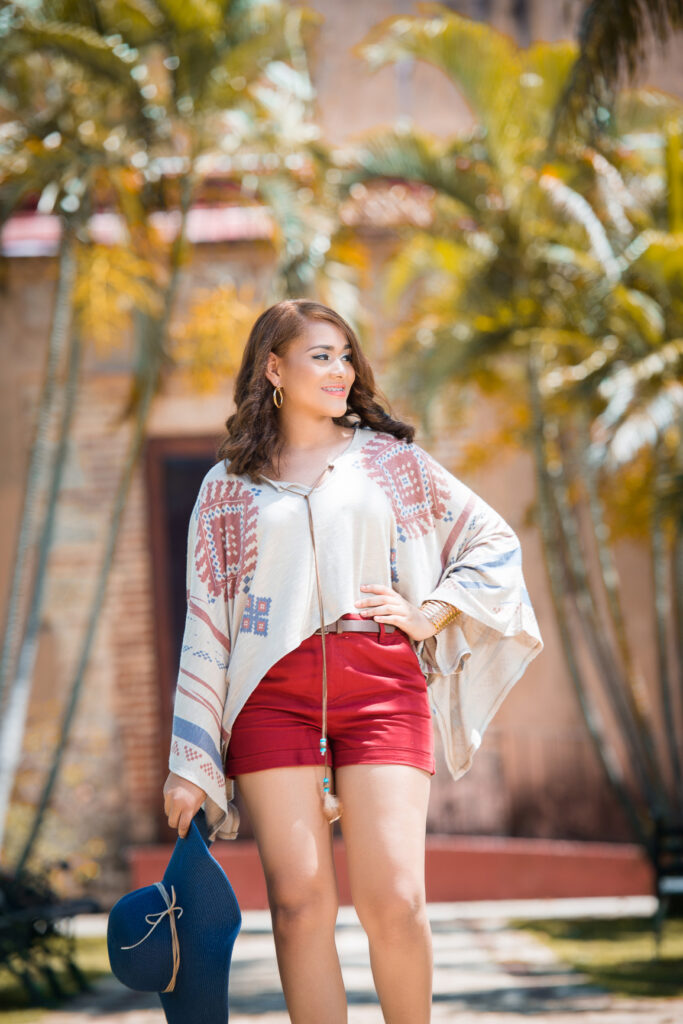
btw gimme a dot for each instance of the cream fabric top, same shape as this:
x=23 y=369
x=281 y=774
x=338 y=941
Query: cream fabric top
x=386 y=513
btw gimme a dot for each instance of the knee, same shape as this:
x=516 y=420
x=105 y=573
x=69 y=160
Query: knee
x=396 y=912
x=304 y=905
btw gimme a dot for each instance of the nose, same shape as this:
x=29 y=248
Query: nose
x=339 y=367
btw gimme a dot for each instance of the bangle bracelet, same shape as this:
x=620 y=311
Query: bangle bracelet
x=439 y=613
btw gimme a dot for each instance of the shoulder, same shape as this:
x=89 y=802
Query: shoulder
x=219 y=487
x=392 y=453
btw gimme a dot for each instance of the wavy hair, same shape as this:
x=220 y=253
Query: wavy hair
x=254 y=440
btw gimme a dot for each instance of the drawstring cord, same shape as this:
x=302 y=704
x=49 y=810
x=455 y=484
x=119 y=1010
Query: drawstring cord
x=331 y=805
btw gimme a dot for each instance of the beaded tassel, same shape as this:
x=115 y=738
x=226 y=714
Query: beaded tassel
x=332 y=808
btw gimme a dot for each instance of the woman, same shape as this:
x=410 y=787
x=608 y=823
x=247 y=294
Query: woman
x=324 y=513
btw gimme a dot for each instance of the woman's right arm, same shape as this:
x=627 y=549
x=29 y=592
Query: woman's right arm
x=195 y=757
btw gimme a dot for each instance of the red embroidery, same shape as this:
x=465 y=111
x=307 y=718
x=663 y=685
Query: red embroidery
x=414 y=483
x=226 y=536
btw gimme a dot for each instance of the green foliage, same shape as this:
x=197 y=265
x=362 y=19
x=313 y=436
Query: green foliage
x=519 y=250
x=511 y=92
x=617 y=953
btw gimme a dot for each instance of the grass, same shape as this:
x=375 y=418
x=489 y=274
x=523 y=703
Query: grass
x=618 y=954
x=91 y=956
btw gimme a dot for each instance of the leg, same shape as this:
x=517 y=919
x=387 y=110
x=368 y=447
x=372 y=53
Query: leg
x=295 y=845
x=384 y=825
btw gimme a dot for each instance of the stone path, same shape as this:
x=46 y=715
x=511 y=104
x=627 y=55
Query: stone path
x=484 y=973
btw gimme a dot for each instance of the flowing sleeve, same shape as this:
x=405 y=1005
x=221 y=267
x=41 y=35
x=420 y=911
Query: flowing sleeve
x=475 y=564
x=198 y=736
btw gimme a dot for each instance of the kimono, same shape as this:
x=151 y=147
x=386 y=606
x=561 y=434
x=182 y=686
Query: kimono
x=385 y=513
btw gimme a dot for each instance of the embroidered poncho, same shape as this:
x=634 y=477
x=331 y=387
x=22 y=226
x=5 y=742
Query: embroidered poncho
x=386 y=513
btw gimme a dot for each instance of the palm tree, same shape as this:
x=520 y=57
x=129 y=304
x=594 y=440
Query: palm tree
x=529 y=269
x=206 y=96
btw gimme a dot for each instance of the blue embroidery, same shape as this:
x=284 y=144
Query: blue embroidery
x=255 y=615
x=394 y=570
x=200 y=737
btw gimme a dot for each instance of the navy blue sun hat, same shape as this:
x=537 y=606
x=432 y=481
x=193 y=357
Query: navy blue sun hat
x=175 y=937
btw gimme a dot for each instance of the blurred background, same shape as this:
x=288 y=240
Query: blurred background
x=491 y=191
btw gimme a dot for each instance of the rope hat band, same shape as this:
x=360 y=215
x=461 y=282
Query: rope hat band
x=155 y=919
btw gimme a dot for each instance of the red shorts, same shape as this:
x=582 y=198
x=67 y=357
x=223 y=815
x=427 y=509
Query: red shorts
x=377 y=707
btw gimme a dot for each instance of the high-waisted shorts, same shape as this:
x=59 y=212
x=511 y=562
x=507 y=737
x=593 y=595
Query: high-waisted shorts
x=377 y=707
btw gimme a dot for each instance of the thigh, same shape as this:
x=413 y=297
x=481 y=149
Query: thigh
x=293 y=836
x=384 y=824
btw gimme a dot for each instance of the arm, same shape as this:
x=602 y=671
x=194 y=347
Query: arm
x=195 y=759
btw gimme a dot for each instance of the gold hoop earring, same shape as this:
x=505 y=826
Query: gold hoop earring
x=278 y=397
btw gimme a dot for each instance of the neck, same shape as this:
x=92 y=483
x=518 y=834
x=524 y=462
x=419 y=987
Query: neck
x=303 y=432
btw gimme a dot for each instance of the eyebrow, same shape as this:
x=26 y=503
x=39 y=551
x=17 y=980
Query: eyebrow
x=329 y=348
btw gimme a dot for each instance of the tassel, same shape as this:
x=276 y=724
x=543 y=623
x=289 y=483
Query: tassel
x=332 y=808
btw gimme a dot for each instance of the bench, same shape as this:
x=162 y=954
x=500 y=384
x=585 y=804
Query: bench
x=668 y=865
x=31 y=944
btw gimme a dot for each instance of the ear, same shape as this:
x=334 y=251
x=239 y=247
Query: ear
x=272 y=370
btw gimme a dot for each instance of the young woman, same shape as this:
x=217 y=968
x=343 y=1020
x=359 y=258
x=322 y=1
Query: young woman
x=341 y=585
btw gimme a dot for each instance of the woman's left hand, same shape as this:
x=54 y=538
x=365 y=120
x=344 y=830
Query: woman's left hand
x=384 y=605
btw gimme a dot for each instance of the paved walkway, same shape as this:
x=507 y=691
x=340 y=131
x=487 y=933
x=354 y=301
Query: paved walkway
x=485 y=973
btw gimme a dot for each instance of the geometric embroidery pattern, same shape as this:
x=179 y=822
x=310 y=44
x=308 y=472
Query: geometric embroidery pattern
x=255 y=615
x=226 y=536
x=192 y=754
x=209 y=770
x=394 y=569
x=416 y=487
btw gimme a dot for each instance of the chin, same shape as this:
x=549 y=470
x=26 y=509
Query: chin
x=335 y=402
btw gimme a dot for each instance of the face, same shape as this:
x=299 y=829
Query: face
x=316 y=371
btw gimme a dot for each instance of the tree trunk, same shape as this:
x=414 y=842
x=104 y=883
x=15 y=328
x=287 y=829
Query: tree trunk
x=12 y=721
x=663 y=611
x=549 y=526
x=151 y=339
x=59 y=333
x=610 y=673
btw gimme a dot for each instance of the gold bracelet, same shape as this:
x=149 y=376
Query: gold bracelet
x=439 y=613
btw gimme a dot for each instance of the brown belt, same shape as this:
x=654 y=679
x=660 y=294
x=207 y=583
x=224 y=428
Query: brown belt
x=355 y=626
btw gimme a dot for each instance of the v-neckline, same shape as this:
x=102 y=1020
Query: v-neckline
x=283 y=485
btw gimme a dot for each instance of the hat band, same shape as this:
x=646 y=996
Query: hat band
x=155 y=919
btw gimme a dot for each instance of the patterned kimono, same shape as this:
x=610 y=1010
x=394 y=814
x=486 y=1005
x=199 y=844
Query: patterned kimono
x=386 y=513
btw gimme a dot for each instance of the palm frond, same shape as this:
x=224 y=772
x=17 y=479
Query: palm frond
x=191 y=15
x=580 y=210
x=434 y=262
x=613 y=191
x=483 y=63
x=641 y=428
x=450 y=168
x=634 y=312
x=143 y=19
x=612 y=40
x=509 y=90
x=645 y=110
x=109 y=57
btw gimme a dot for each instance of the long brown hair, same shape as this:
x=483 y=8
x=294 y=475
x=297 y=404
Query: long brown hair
x=253 y=439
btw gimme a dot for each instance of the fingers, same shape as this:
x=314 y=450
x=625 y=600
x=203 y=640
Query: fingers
x=377 y=588
x=380 y=609
x=182 y=800
x=377 y=600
